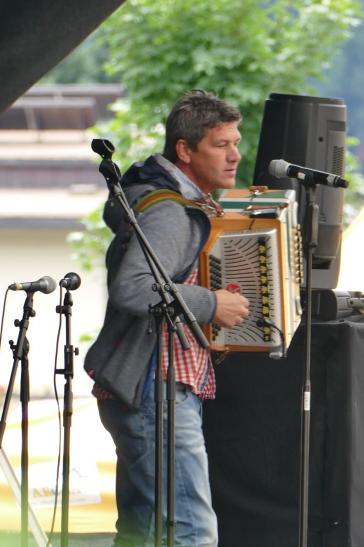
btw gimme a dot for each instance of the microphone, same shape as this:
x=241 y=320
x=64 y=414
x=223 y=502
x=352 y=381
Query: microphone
x=280 y=169
x=71 y=281
x=103 y=147
x=45 y=284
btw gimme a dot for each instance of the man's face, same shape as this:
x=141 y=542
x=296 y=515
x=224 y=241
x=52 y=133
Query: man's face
x=214 y=163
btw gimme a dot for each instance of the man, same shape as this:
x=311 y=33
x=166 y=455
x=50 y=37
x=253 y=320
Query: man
x=201 y=155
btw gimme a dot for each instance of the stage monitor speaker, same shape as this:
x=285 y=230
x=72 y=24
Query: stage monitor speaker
x=311 y=132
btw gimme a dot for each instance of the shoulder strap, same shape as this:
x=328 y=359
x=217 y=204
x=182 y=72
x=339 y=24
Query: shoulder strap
x=157 y=196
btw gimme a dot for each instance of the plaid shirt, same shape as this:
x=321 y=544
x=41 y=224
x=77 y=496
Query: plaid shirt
x=193 y=367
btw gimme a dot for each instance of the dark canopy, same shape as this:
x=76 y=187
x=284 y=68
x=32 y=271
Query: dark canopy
x=35 y=36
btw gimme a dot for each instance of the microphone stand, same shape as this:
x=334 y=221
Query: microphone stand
x=67 y=371
x=163 y=315
x=171 y=397
x=311 y=239
x=20 y=353
x=171 y=306
x=309 y=178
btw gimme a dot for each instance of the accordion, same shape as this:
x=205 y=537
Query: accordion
x=256 y=248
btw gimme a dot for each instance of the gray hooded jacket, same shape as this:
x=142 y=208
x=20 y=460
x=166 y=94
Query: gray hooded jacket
x=119 y=358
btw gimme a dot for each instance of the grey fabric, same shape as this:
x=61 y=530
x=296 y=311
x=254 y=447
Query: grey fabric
x=120 y=356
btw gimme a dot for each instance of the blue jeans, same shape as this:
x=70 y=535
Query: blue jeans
x=133 y=434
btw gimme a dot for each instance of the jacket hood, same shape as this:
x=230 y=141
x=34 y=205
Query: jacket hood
x=147 y=173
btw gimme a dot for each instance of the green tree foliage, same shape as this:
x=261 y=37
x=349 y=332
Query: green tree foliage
x=345 y=79
x=241 y=50
x=89 y=246
x=85 y=64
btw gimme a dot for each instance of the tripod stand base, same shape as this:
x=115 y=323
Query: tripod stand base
x=38 y=534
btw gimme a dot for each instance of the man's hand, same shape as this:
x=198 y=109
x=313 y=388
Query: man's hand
x=231 y=308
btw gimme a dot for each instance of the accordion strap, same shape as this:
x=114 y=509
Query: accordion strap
x=206 y=204
x=157 y=196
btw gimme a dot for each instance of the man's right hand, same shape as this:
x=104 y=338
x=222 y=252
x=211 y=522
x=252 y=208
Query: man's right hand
x=231 y=308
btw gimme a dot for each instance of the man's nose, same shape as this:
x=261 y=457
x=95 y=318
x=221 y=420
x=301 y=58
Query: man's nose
x=234 y=155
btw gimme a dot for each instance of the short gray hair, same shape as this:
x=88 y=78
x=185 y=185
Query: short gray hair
x=193 y=113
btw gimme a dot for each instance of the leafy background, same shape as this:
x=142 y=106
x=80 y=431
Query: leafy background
x=242 y=51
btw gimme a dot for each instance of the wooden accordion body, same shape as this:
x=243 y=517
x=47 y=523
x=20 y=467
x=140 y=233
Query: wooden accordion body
x=255 y=248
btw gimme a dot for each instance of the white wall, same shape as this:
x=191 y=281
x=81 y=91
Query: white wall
x=26 y=255
x=352 y=257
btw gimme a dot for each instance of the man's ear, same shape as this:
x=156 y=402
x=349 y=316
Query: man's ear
x=183 y=151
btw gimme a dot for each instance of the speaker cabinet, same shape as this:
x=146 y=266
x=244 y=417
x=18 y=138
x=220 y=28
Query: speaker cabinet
x=311 y=132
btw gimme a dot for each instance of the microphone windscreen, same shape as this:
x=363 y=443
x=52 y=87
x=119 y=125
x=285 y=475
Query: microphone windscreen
x=103 y=147
x=71 y=281
x=278 y=168
x=49 y=284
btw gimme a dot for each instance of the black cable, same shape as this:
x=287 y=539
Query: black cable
x=3 y=316
x=59 y=425
x=268 y=323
